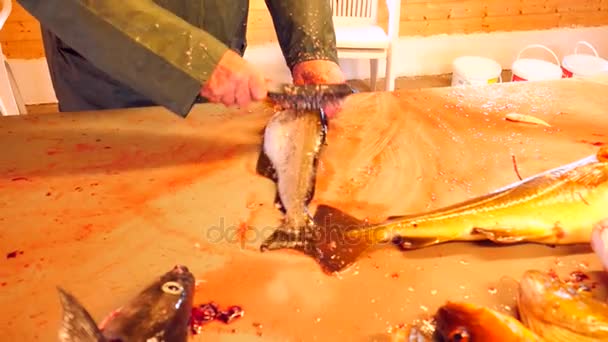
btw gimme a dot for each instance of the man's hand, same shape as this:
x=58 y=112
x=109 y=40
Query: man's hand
x=319 y=72
x=599 y=242
x=234 y=81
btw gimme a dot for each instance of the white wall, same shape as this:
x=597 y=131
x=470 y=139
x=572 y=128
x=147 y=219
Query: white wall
x=415 y=56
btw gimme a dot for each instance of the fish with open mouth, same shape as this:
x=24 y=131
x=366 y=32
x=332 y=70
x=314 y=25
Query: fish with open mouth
x=556 y=207
x=291 y=145
x=161 y=312
x=560 y=312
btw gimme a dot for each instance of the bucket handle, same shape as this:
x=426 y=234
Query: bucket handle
x=542 y=47
x=582 y=42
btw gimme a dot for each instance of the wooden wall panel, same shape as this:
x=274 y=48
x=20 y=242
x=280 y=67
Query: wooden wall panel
x=20 y=38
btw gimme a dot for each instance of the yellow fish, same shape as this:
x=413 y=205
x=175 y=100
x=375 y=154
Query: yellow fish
x=556 y=207
x=559 y=312
x=461 y=322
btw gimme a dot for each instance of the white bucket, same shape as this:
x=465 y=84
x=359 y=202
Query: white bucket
x=583 y=65
x=474 y=70
x=529 y=69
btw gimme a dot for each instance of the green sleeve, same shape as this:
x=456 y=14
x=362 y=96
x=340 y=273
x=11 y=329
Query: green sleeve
x=305 y=30
x=138 y=42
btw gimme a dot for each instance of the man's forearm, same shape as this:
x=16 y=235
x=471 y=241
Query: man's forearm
x=137 y=42
x=305 y=30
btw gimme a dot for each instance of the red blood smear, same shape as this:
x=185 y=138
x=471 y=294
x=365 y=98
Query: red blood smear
x=578 y=276
x=84 y=147
x=13 y=254
x=552 y=274
x=242 y=232
x=208 y=312
x=594 y=143
x=202 y=315
x=233 y=313
x=20 y=179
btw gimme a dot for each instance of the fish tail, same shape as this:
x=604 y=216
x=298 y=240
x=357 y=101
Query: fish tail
x=334 y=239
x=77 y=324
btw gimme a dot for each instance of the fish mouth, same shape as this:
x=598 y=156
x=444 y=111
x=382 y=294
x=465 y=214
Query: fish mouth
x=180 y=269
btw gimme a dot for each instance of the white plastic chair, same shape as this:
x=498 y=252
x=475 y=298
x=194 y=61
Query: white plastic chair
x=358 y=35
x=10 y=98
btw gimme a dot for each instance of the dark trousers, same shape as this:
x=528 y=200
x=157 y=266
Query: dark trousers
x=80 y=86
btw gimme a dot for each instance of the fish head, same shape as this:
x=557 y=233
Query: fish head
x=560 y=311
x=462 y=322
x=543 y=297
x=161 y=310
x=458 y=322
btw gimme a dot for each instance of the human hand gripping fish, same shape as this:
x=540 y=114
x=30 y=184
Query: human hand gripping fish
x=556 y=207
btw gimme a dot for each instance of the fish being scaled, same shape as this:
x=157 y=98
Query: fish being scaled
x=462 y=322
x=291 y=145
x=161 y=312
x=559 y=312
x=556 y=207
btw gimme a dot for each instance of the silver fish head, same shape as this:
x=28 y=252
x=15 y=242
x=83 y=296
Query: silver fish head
x=162 y=311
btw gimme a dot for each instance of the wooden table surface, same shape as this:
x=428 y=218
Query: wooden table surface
x=100 y=203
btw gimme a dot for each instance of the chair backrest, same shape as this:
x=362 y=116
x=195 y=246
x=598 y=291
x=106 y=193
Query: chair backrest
x=7 y=6
x=355 y=11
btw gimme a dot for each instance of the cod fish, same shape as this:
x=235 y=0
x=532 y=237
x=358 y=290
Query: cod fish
x=559 y=312
x=291 y=145
x=556 y=207
x=461 y=321
x=161 y=312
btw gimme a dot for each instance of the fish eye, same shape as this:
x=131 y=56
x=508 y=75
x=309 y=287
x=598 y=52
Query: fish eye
x=172 y=287
x=459 y=335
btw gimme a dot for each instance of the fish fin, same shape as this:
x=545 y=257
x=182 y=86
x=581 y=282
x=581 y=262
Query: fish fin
x=509 y=235
x=326 y=240
x=408 y=243
x=264 y=166
x=77 y=324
